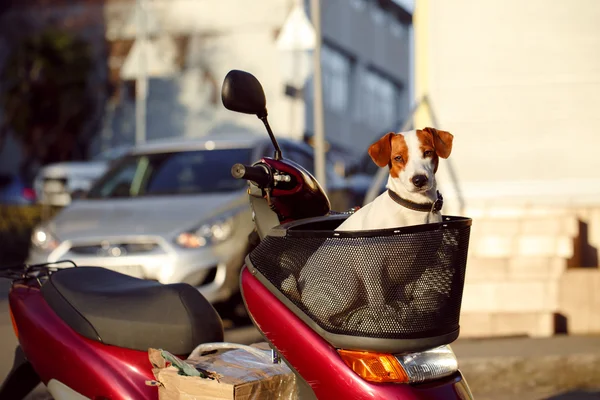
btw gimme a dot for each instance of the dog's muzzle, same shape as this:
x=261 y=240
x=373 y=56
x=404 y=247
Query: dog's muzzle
x=419 y=180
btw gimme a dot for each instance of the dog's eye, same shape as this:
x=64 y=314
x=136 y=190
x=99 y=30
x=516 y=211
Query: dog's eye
x=399 y=158
x=427 y=153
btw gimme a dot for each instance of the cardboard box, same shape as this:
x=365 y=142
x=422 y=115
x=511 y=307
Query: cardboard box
x=235 y=374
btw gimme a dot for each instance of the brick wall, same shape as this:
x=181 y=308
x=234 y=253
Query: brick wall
x=525 y=269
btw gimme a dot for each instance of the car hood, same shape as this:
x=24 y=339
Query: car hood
x=164 y=215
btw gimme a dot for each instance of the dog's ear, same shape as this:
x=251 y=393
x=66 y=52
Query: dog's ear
x=442 y=141
x=381 y=150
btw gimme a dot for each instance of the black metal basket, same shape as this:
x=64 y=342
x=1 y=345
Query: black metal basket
x=392 y=289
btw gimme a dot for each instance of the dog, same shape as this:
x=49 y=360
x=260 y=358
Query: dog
x=412 y=158
x=411 y=199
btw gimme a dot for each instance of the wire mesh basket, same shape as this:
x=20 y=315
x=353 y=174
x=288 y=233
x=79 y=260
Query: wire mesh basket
x=404 y=283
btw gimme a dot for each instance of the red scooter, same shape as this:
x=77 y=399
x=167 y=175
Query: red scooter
x=348 y=330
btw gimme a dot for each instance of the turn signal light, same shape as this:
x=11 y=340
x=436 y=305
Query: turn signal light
x=417 y=367
x=375 y=367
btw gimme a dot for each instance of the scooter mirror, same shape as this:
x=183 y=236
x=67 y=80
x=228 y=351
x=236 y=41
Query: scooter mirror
x=242 y=92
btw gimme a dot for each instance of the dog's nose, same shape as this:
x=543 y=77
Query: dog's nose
x=419 y=180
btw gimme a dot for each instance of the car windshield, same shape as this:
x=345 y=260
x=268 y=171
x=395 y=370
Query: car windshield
x=184 y=172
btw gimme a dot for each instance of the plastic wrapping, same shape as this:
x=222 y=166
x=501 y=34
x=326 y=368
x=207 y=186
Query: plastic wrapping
x=223 y=371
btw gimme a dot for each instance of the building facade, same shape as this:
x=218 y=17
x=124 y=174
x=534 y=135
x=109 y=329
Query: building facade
x=365 y=62
x=365 y=58
x=366 y=67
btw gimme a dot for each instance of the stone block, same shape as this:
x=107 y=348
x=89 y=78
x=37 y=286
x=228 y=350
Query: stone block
x=542 y=245
x=576 y=298
x=529 y=296
x=479 y=297
x=526 y=225
x=496 y=227
x=498 y=324
x=486 y=269
x=508 y=296
x=491 y=246
x=594 y=307
x=522 y=268
x=559 y=226
x=594 y=228
x=534 y=324
x=475 y=324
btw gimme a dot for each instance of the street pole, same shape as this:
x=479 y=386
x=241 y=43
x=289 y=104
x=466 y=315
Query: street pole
x=141 y=81
x=319 y=134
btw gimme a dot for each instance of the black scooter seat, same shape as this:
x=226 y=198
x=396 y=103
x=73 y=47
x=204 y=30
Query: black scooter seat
x=124 y=311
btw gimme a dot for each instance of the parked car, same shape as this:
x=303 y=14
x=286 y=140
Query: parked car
x=15 y=190
x=168 y=211
x=55 y=184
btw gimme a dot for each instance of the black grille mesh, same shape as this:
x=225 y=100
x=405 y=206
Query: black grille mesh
x=388 y=286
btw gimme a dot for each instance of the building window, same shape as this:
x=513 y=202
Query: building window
x=398 y=29
x=336 y=69
x=336 y=79
x=380 y=100
x=359 y=4
x=377 y=14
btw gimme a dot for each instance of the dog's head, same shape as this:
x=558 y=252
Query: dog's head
x=412 y=156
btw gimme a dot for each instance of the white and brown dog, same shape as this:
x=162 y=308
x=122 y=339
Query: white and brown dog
x=412 y=197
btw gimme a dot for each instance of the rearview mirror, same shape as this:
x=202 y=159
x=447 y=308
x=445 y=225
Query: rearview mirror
x=242 y=92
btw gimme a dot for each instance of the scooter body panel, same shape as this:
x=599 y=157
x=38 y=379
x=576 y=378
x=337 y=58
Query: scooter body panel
x=319 y=363
x=58 y=353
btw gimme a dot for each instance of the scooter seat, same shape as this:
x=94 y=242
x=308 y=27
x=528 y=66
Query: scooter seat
x=133 y=313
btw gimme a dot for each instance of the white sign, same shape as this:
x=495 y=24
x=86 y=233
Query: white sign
x=157 y=56
x=132 y=24
x=297 y=32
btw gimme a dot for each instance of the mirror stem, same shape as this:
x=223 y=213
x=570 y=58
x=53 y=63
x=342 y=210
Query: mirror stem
x=263 y=118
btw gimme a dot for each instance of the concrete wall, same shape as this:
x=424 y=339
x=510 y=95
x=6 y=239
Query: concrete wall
x=518 y=83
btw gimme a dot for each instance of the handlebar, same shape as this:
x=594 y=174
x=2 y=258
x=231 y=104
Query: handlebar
x=258 y=174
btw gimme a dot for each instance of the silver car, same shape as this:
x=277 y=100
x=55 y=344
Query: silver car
x=56 y=183
x=167 y=211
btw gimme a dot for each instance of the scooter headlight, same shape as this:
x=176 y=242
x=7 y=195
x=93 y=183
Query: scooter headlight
x=429 y=365
x=402 y=368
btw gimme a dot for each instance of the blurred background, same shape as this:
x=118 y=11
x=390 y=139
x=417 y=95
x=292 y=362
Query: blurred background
x=115 y=150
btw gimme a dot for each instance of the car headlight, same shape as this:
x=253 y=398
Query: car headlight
x=208 y=233
x=43 y=239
